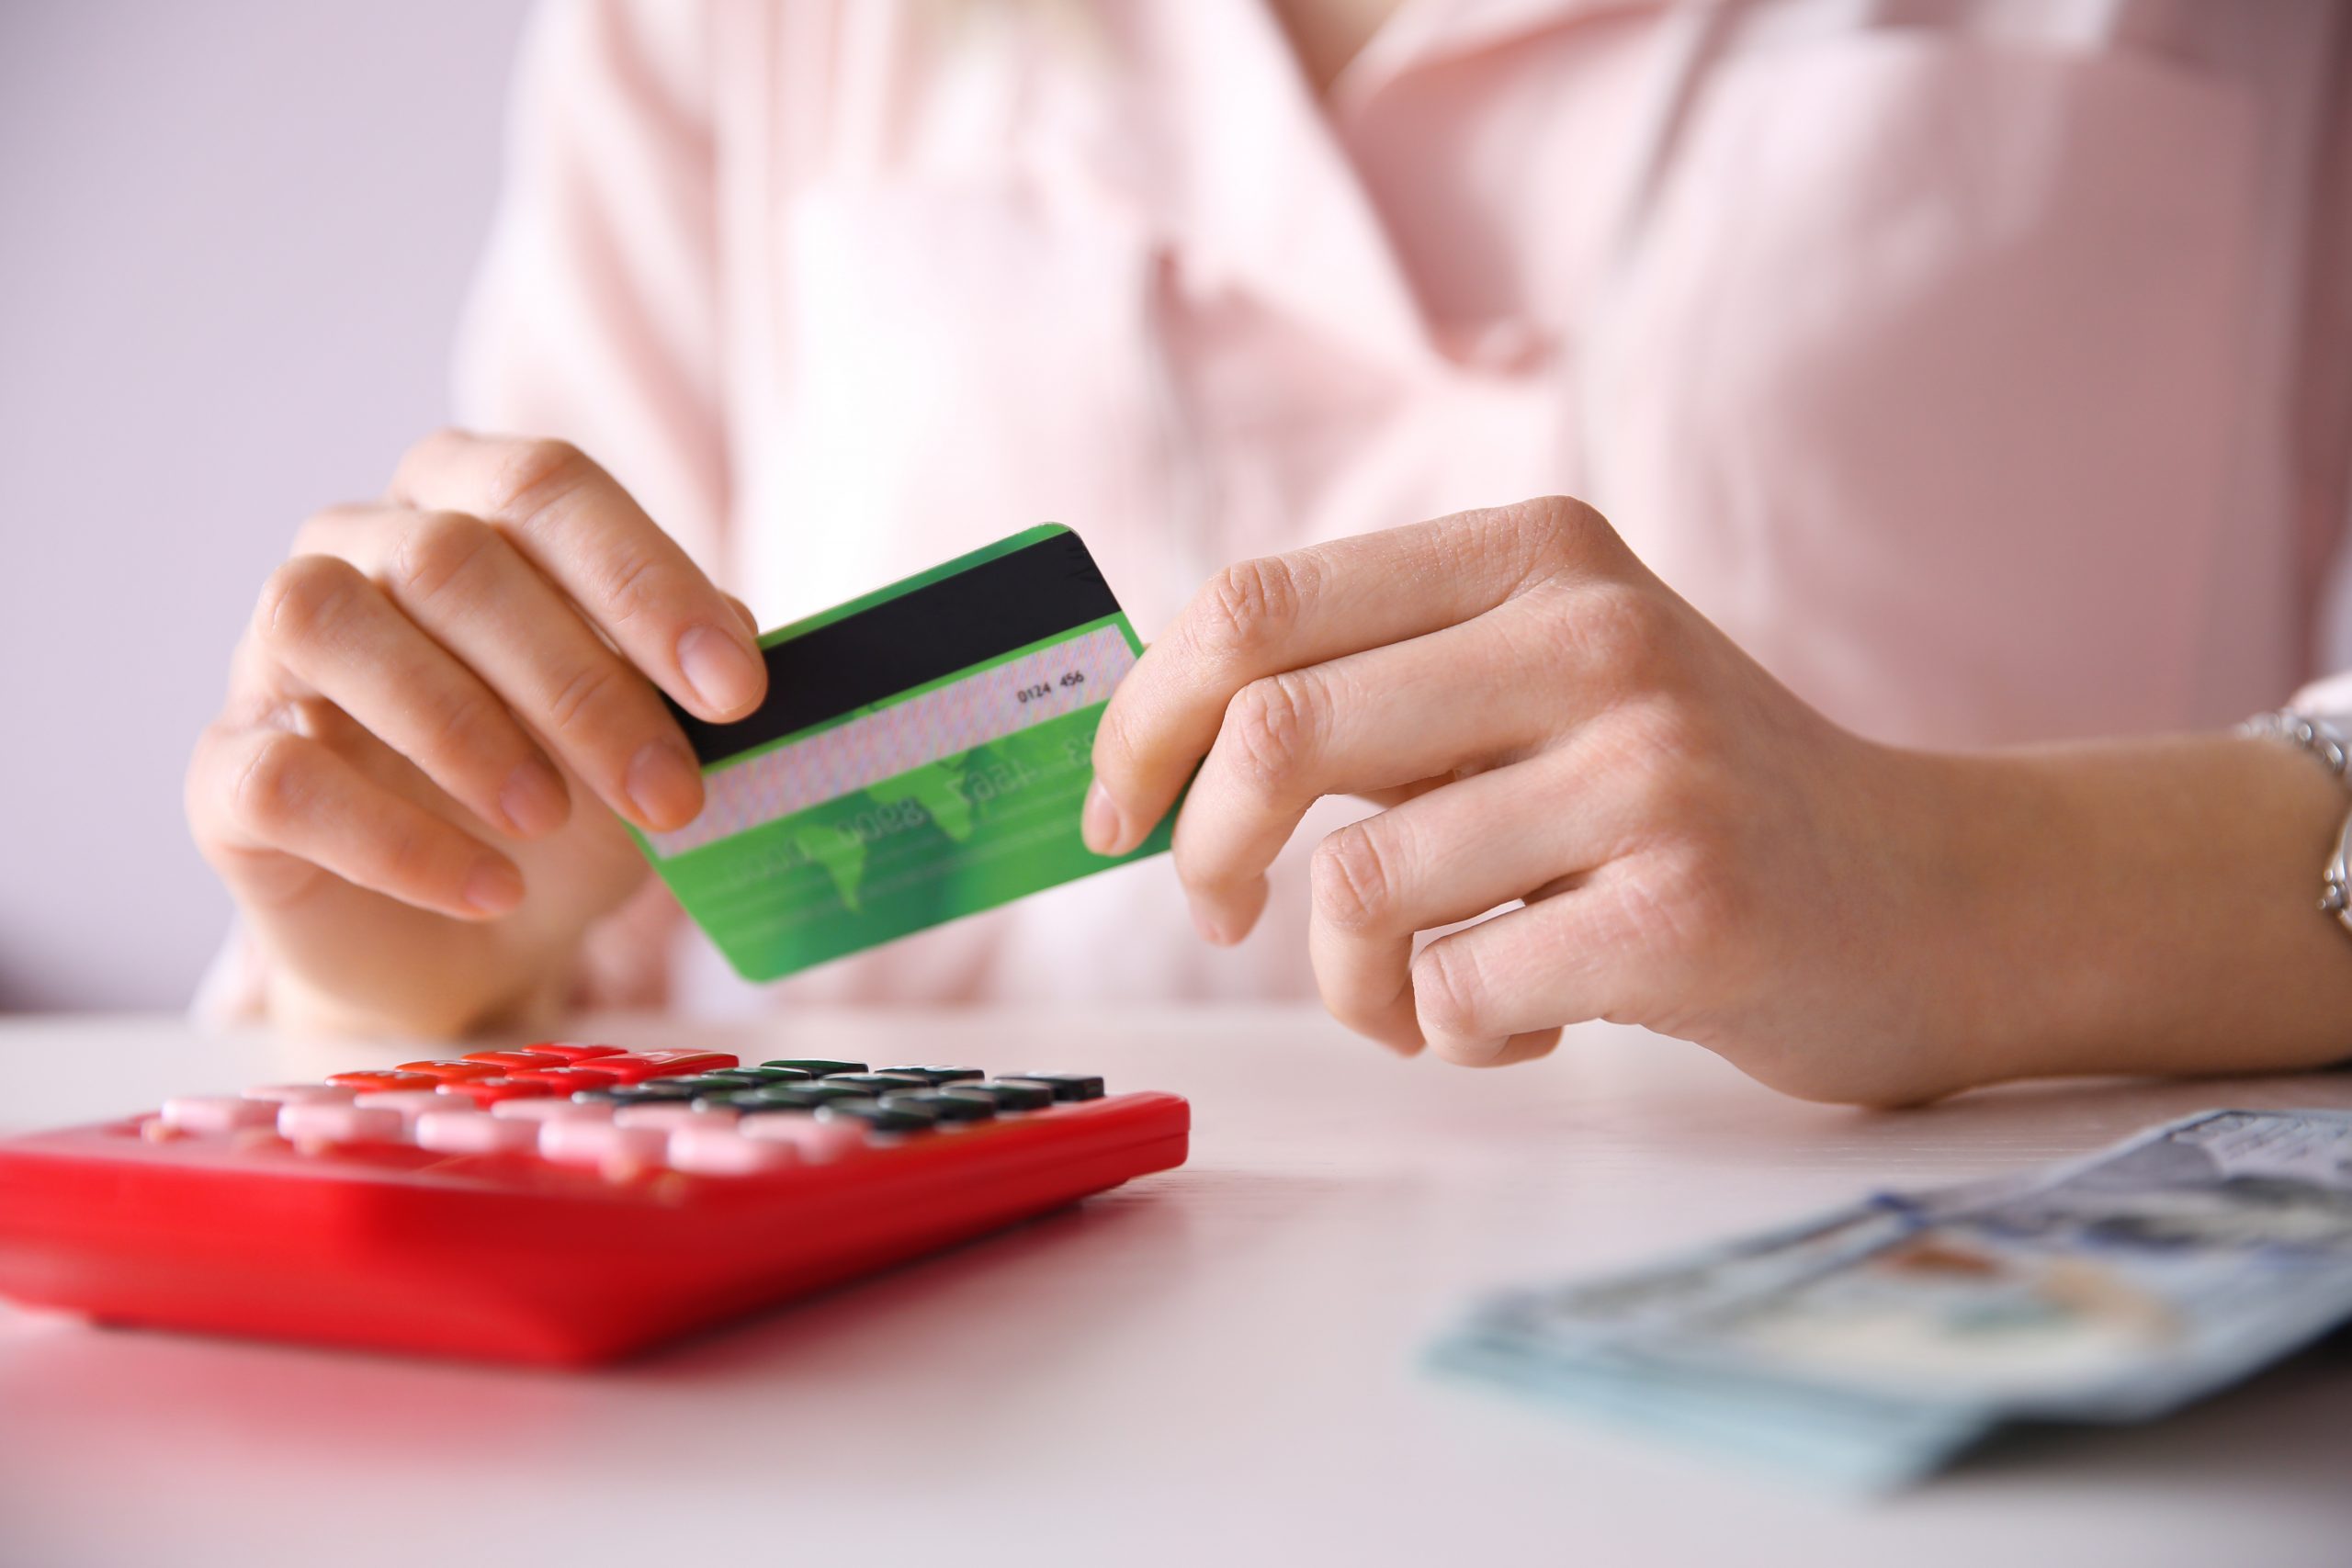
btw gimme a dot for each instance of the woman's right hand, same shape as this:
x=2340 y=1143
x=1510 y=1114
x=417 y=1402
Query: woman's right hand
x=442 y=701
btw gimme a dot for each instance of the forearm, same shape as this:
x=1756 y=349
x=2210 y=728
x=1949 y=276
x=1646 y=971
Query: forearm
x=2142 y=906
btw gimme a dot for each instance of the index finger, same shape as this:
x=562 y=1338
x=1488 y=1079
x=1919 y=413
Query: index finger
x=573 y=523
x=1284 y=612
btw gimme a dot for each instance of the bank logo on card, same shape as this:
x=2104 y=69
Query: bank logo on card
x=923 y=753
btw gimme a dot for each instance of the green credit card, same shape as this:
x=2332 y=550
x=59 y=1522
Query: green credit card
x=922 y=753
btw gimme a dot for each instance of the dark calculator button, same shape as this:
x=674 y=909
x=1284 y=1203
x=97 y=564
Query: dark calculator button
x=1066 y=1086
x=946 y=1105
x=879 y=1083
x=1011 y=1096
x=783 y=1097
x=705 y=1083
x=878 y=1116
x=939 y=1076
x=816 y=1068
x=754 y=1078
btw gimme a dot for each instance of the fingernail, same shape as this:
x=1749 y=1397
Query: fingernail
x=663 y=786
x=1099 y=825
x=723 y=673
x=1473 y=1053
x=533 y=801
x=492 y=888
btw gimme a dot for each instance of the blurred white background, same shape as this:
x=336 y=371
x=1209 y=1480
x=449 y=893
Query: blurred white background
x=234 y=237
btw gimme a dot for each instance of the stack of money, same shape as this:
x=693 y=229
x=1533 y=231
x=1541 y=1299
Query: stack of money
x=1868 y=1348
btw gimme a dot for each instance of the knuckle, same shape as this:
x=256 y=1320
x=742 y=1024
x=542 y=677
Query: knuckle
x=1248 y=607
x=469 y=732
x=1618 y=630
x=1668 y=752
x=1685 y=904
x=1556 y=531
x=269 y=790
x=434 y=551
x=428 y=446
x=407 y=854
x=1271 y=727
x=533 y=474
x=1350 y=879
x=301 y=598
x=627 y=587
x=581 y=702
x=329 y=523
x=1450 y=992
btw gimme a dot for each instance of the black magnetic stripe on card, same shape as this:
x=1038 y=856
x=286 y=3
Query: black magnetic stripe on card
x=921 y=635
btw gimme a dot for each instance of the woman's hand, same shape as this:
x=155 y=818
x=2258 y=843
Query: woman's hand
x=1697 y=850
x=440 y=703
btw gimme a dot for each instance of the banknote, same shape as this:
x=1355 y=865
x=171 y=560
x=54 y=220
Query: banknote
x=1872 y=1344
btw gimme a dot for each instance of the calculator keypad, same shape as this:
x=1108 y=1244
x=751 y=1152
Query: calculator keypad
x=621 y=1112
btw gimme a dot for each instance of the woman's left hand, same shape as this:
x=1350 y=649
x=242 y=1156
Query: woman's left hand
x=1697 y=850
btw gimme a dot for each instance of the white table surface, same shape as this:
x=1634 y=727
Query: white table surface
x=1218 y=1364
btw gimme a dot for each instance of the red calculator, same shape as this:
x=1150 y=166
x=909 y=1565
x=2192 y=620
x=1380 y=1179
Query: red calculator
x=562 y=1203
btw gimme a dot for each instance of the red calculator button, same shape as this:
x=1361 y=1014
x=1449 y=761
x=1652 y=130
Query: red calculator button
x=379 y=1082
x=570 y=1051
x=516 y=1058
x=489 y=1092
x=443 y=1072
x=635 y=1066
x=685 y=1060
x=564 y=1080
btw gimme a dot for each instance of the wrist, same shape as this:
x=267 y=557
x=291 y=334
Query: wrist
x=2138 y=907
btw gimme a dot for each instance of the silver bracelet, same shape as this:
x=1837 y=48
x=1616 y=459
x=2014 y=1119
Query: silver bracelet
x=2328 y=747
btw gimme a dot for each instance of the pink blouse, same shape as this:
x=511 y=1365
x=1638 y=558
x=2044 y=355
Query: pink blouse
x=1980 y=365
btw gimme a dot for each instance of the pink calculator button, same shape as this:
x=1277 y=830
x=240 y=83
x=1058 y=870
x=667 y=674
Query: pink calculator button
x=552 y=1108
x=302 y=1093
x=669 y=1118
x=601 y=1143
x=817 y=1141
x=572 y=1052
x=408 y=1105
x=217 y=1113
x=317 y=1123
x=451 y=1132
x=722 y=1151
